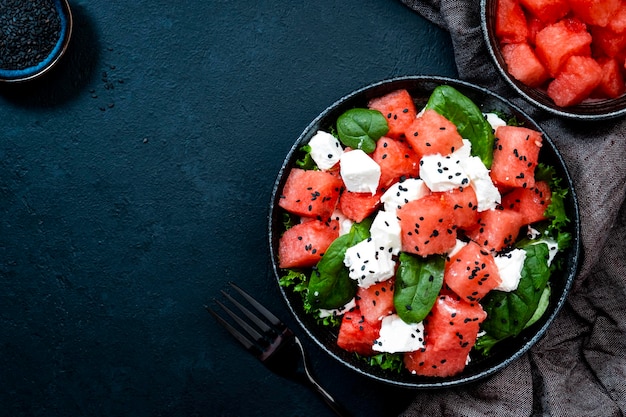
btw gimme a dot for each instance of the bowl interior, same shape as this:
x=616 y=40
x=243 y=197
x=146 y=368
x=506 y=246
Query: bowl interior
x=588 y=110
x=421 y=88
x=36 y=71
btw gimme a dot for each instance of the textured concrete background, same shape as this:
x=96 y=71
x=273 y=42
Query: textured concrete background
x=135 y=181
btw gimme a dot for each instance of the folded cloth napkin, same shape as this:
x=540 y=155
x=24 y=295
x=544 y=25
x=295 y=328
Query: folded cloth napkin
x=579 y=367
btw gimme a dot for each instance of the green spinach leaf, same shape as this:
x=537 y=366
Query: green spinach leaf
x=418 y=281
x=467 y=117
x=330 y=285
x=360 y=128
x=509 y=312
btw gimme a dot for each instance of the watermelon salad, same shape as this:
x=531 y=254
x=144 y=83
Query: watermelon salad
x=422 y=235
x=574 y=49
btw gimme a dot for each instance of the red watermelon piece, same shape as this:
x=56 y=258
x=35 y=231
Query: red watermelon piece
x=548 y=11
x=464 y=206
x=427 y=226
x=399 y=110
x=595 y=12
x=432 y=133
x=310 y=193
x=557 y=42
x=523 y=64
x=357 y=334
x=471 y=272
x=618 y=20
x=376 y=301
x=496 y=229
x=607 y=42
x=612 y=82
x=396 y=160
x=303 y=245
x=511 y=25
x=358 y=206
x=451 y=330
x=579 y=77
x=531 y=203
x=515 y=156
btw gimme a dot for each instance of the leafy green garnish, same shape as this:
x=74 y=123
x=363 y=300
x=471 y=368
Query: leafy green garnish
x=297 y=281
x=330 y=285
x=387 y=361
x=556 y=209
x=468 y=118
x=360 y=128
x=418 y=282
x=509 y=312
x=306 y=160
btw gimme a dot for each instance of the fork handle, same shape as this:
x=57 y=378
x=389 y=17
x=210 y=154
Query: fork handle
x=332 y=403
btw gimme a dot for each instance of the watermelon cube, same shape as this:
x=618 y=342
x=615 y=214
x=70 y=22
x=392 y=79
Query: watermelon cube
x=471 y=272
x=523 y=64
x=399 y=110
x=396 y=160
x=304 y=244
x=531 y=203
x=451 y=330
x=558 y=41
x=376 y=301
x=534 y=26
x=580 y=76
x=548 y=11
x=617 y=23
x=612 y=81
x=427 y=226
x=432 y=133
x=310 y=193
x=496 y=229
x=607 y=42
x=595 y=12
x=464 y=206
x=515 y=156
x=357 y=334
x=358 y=206
x=511 y=23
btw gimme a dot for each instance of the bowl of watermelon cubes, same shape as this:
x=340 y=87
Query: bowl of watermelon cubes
x=424 y=231
x=564 y=56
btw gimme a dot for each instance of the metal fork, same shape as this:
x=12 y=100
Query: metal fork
x=272 y=342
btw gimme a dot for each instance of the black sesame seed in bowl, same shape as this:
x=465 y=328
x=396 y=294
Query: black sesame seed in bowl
x=33 y=36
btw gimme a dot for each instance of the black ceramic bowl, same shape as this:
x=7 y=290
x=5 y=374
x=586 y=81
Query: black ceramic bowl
x=506 y=352
x=36 y=70
x=588 y=110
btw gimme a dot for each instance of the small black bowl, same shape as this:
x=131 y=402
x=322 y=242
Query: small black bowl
x=590 y=109
x=35 y=71
x=507 y=351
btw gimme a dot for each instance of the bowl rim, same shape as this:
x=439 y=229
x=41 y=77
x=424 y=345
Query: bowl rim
x=43 y=67
x=590 y=111
x=569 y=272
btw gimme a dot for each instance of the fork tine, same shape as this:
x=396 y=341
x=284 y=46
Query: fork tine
x=264 y=327
x=236 y=333
x=249 y=329
x=264 y=311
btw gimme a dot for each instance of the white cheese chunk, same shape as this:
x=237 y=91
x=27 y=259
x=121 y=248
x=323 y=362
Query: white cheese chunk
x=443 y=173
x=487 y=195
x=337 y=311
x=510 y=269
x=385 y=232
x=360 y=173
x=494 y=120
x=367 y=264
x=397 y=336
x=402 y=192
x=325 y=150
x=345 y=224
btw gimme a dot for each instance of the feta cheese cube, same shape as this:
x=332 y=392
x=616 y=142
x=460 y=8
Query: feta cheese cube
x=345 y=224
x=494 y=120
x=510 y=269
x=360 y=173
x=367 y=264
x=385 y=232
x=397 y=336
x=487 y=194
x=443 y=173
x=402 y=192
x=325 y=150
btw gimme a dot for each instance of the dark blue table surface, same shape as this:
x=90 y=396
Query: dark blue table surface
x=135 y=181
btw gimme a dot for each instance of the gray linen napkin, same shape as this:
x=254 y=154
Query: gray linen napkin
x=579 y=367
